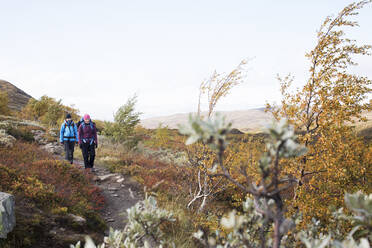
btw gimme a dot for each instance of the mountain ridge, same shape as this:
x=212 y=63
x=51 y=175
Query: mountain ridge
x=18 y=99
x=250 y=120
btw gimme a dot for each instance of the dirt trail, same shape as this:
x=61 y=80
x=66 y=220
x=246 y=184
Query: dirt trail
x=120 y=192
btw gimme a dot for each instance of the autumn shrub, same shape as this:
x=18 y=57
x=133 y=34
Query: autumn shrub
x=323 y=111
x=48 y=111
x=44 y=189
x=164 y=138
x=69 y=185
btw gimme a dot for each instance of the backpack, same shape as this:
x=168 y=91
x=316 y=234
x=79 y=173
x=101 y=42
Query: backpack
x=79 y=123
x=71 y=125
x=91 y=124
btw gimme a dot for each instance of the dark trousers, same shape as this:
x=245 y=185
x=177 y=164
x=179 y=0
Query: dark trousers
x=69 y=150
x=89 y=154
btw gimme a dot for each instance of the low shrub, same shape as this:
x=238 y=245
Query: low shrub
x=21 y=133
x=46 y=188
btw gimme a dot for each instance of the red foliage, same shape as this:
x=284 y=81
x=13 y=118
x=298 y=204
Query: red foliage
x=28 y=171
x=174 y=179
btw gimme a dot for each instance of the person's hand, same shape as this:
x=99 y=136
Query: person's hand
x=96 y=145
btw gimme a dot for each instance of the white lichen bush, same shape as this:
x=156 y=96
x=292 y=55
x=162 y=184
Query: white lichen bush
x=142 y=229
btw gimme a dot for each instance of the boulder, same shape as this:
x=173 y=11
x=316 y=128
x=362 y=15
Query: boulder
x=39 y=137
x=7 y=214
x=6 y=139
x=54 y=148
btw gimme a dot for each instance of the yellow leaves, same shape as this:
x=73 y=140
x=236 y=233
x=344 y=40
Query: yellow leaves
x=219 y=85
x=336 y=159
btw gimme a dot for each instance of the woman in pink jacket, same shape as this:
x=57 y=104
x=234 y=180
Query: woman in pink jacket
x=88 y=141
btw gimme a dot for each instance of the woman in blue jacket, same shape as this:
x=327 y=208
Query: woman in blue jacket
x=68 y=137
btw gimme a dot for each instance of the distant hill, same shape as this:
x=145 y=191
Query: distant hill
x=17 y=97
x=251 y=120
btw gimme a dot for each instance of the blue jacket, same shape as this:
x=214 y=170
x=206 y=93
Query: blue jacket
x=68 y=132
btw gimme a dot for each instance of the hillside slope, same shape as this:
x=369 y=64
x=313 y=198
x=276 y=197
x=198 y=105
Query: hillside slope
x=244 y=120
x=17 y=97
x=251 y=120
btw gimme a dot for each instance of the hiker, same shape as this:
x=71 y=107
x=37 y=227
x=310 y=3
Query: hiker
x=79 y=122
x=68 y=136
x=88 y=141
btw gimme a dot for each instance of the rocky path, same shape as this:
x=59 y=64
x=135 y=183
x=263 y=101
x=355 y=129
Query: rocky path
x=120 y=192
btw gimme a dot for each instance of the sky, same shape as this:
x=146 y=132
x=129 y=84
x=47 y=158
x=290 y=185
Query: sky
x=96 y=54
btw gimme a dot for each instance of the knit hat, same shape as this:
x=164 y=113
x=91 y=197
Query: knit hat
x=86 y=117
x=68 y=116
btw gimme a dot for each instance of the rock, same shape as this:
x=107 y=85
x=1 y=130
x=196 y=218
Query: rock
x=54 y=132
x=120 y=180
x=105 y=177
x=6 y=139
x=112 y=189
x=131 y=193
x=54 y=148
x=115 y=195
x=7 y=214
x=77 y=219
x=110 y=220
x=39 y=136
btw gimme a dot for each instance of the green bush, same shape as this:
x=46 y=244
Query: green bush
x=48 y=110
x=21 y=133
x=122 y=130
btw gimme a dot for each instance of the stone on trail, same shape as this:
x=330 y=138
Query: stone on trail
x=120 y=180
x=7 y=214
x=105 y=177
x=112 y=189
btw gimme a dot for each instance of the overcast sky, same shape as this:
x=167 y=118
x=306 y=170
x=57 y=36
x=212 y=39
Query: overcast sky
x=95 y=54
